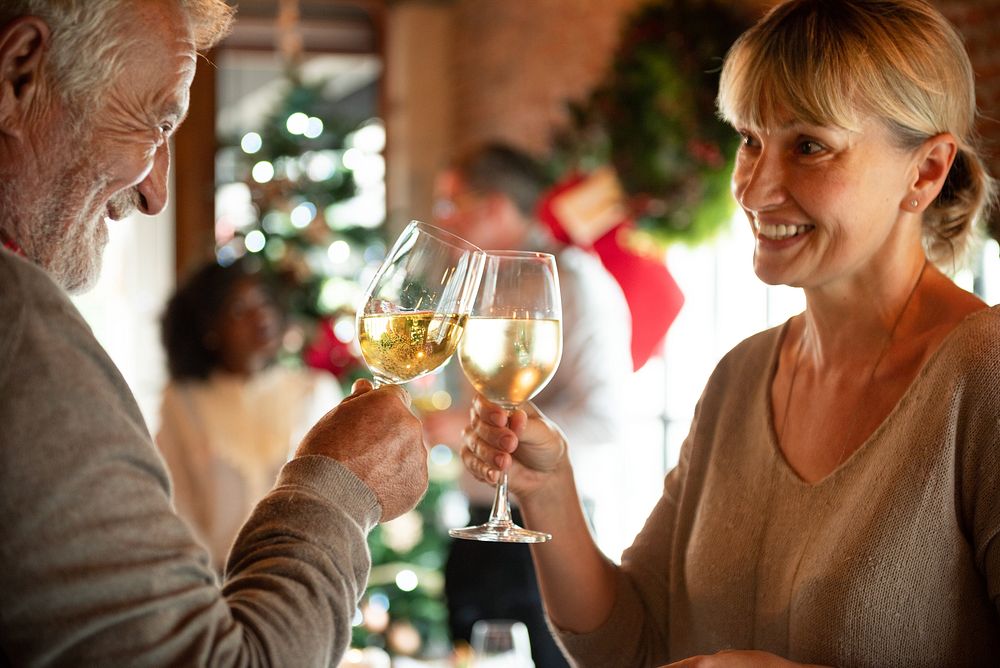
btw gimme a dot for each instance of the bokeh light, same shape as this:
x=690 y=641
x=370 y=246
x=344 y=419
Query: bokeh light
x=303 y=214
x=251 y=143
x=314 y=127
x=369 y=138
x=262 y=172
x=297 y=123
x=339 y=251
x=255 y=241
x=407 y=580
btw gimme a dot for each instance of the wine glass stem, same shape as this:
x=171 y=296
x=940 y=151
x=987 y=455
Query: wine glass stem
x=500 y=514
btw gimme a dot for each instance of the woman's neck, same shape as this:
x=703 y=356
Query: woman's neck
x=855 y=321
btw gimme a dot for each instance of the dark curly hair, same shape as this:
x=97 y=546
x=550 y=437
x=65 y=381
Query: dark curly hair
x=193 y=311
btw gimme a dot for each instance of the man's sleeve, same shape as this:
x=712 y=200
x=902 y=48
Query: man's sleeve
x=95 y=567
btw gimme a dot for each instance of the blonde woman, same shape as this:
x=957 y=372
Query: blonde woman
x=837 y=500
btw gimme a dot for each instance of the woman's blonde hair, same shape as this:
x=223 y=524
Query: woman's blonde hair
x=835 y=62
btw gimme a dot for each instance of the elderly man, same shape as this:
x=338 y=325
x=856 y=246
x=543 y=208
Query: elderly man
x=95 y=568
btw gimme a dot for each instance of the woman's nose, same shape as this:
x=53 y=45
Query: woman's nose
x=758 y=181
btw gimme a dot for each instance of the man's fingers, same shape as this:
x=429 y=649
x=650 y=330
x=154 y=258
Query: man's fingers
x=399 y=391
x=363 y=386
x=360 y=386
x=518 y=419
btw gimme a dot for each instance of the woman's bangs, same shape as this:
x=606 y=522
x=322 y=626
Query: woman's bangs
x=774 y=85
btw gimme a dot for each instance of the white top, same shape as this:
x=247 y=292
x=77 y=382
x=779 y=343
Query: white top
x=226 y=438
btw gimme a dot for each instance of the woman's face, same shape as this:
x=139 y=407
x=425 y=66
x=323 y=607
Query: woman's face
x=825 y=204
x=249 y=329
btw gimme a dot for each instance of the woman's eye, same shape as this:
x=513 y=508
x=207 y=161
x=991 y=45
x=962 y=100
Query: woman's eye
x=809 y=147
x=747 y=140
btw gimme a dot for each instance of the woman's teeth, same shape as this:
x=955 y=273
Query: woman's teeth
x=779 y=232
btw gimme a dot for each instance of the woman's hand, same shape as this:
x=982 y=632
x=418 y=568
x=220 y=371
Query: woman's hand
x=730 y=658
x=526 y=443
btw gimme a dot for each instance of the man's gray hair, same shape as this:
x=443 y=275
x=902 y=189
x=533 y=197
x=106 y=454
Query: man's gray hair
x=88 y=44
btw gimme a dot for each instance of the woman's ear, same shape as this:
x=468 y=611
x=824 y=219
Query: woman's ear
x=934 y=159
x=24 y=43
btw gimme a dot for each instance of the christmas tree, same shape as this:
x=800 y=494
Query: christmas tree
x=304 y=194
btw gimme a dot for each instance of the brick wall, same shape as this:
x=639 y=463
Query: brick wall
x=514 y=62
x=462 y=71
x=979 y=22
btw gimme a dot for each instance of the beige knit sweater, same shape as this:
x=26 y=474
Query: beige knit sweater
x=95 y=567
x=892 y=560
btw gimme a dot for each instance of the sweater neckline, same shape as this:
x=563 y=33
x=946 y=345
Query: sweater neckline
x=869 y=442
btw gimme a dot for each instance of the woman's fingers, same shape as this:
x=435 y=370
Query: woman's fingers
x=490 y=444
x=493 y=437
x=489 y=412
x=493 y=430
x=478 y=466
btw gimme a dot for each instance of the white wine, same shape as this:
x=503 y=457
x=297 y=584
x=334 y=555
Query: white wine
x=508 y=360
x=402 y=346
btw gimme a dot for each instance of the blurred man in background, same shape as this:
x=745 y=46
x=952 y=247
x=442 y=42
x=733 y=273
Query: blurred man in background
x=489 y=196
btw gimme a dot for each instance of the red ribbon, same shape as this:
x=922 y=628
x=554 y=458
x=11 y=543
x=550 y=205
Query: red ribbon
x=653 y=296
x=11 y=245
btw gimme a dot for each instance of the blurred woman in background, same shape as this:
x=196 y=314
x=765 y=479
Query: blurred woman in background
x=230 y=416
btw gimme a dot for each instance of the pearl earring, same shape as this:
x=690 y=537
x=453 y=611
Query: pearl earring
x=914 y=203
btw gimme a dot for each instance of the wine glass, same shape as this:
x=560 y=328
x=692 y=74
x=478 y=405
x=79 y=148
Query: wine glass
x=500 y=643
x=510 y=350
x=416 y=305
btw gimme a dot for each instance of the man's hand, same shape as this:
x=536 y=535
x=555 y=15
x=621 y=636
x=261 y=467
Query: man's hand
x=374 y=434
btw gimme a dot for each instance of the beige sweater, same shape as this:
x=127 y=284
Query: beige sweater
x=95 y=567
x=892 y=560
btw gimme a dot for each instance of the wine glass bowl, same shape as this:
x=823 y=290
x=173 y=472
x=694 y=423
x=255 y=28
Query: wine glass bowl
x=510 y=350
x=417 y=304
x=401 y=346
x=508 y=360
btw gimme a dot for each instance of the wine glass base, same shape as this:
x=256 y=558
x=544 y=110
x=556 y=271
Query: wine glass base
x=500 y=532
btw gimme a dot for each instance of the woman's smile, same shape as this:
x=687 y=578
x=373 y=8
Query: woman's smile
x=774 y=232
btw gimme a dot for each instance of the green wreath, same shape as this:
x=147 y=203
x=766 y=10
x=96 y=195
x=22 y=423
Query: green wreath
x=653 y=119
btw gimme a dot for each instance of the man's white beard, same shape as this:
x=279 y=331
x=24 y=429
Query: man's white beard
x=54 y=229
x=69 y=243
x=78 y=264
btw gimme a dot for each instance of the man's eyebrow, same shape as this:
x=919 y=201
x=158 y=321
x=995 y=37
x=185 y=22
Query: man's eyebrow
x=175 y=112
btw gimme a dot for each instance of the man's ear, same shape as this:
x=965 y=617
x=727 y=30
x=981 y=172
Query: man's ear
x=934 y=160
x=501 y=207
x=24 y=43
